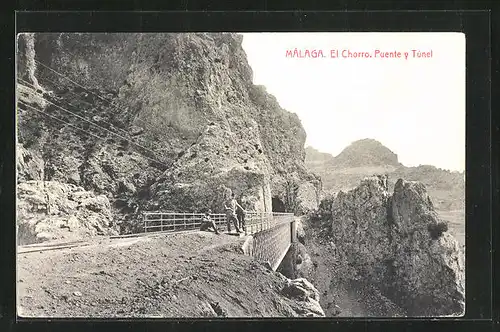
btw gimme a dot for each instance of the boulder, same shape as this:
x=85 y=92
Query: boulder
x=135 y=130
x=48 y=210
x=305 y=296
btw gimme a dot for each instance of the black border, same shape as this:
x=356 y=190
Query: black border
x=476 y=25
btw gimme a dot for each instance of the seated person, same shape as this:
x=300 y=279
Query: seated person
x=207 y=223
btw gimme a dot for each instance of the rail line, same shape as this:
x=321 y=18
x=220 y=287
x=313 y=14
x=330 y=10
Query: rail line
x=41 y=247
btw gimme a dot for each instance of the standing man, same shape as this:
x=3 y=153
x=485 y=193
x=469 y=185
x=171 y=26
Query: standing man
x=241 y=213
x=231 y=216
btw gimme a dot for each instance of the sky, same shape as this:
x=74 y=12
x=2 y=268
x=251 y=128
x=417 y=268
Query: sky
x=414 y=106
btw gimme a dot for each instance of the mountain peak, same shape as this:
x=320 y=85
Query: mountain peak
x=366 y=152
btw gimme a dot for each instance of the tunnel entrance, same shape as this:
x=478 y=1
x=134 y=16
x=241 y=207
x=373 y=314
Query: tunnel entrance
x=278 y=205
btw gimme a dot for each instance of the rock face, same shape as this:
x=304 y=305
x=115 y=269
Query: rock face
x=48 y=210
x=430 y=266
x=161 y=121
x=398 y=243
x=30 y=166
x=307 y=197
x=218 y=164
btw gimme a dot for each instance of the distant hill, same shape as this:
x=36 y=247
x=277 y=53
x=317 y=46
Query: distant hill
x=367 y=157
x=365 y=152
x=315 y=156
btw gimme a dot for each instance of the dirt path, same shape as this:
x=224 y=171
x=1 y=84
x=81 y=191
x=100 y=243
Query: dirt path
x=176 y=275
x=339 y=285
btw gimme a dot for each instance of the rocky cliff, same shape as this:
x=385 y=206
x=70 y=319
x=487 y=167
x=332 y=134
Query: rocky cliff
x=157 y=121
x=397 y=242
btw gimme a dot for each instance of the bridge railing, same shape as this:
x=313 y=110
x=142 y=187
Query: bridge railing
x=177 y=221
x=182 y=221
x=258 y=222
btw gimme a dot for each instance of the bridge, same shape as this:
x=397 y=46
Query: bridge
x=269 y=235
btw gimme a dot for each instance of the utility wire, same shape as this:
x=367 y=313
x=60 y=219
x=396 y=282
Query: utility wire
x=83 y=130
x=69 y=79
x=91 y=122
x=53 y=117
x=92 y=92
x=85 y=102
x=81 y=86
x=95 y=124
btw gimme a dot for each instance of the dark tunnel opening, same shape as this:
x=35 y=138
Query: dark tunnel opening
x=278 y=205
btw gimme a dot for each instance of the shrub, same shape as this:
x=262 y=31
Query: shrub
x=436 y=230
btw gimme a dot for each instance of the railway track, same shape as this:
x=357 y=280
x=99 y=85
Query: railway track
x=40 y=247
